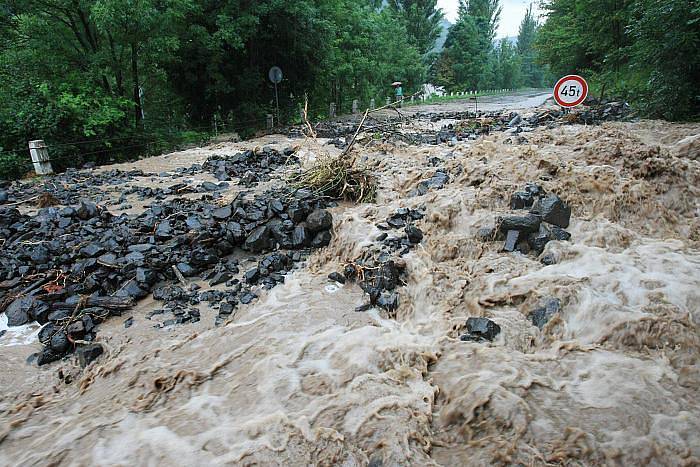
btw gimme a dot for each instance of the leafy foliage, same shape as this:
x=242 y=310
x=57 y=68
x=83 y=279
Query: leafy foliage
x=643 y=50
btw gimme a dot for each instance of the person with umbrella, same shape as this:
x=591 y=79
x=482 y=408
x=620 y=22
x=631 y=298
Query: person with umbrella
x=399 y=91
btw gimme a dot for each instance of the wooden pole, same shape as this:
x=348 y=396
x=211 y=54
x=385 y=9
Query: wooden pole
x=40 y=157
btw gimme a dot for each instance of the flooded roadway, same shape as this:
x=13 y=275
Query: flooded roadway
x=300 y=378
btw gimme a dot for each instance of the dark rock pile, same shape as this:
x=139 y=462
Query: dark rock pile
x=69 y=187
x=546 y=220
x=380 y=273
x=71 y=268
x=250 y=167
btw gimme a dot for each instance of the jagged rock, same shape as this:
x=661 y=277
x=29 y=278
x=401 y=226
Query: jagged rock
x=259 y=239
x=521 y=200
x=528 y=223
x=415 y=235
x=88 y=353
x=86 y=210
x=222 y=213
x=92 y=250
x=552 y=210
x=186 y=270
x=59 y=342
x=512 y=238
x=146 y=276
x=481 y=329
x=132 y=289
x=48 y=356
x=319 y=220
x=252 y=275
x=321 y=239
x=18 y=311
x=542 y=315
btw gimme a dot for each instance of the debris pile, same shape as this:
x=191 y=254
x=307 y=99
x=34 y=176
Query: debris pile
x=547 y=219
x=70 y=268
x=69 y=187
x=380 y=271
x=250 y=167
x=337 y=178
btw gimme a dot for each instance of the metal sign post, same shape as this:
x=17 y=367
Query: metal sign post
x=275 y=75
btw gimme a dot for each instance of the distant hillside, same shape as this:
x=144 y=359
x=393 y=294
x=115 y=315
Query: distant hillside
x=440 y=42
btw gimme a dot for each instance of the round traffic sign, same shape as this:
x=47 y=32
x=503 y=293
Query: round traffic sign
x=570 y=91
x=275 y=74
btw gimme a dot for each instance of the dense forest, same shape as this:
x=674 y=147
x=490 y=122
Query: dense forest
x=106 y=79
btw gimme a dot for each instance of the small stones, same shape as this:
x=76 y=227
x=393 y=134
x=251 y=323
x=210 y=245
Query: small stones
x=480 y=329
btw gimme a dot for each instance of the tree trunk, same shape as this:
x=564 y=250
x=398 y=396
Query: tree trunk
x=135 y=77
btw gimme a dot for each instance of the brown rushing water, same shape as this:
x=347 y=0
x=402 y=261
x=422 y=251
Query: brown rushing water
x=299 y=378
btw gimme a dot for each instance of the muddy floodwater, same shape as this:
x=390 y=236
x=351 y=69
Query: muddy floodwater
x=299 y=377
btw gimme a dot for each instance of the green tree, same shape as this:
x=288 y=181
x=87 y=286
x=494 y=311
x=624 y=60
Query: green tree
x=422 y=19
x=531 y=71
x=469 y=43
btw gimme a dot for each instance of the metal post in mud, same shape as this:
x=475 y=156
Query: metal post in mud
x=355 y=106
x=270 y=121
x=40 y=157
x=331 y=110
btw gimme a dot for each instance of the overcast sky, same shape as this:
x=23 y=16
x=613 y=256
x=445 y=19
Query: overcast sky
x=512 y=14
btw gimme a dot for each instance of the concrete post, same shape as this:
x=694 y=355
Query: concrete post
x=388 y=100
x=372 y=104
x=412 y=99
x=40 y=157
x=355 y=106
x=270 y=121
x=331 y=110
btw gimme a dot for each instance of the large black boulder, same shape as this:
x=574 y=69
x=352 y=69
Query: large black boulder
x=552 y=210
x=481 y=329
x=18 y=312
x=319 y=220
x=86 y=210
x=528 y=223
x=259 y=239
x=88 y=353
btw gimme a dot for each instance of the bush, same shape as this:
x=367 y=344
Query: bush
x=14 y=166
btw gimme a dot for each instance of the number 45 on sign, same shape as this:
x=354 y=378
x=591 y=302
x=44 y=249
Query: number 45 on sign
x=570 y=91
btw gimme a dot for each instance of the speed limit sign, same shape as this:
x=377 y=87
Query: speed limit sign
x=570 y=91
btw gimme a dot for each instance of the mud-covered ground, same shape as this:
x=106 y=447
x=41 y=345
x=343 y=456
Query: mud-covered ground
x=299 y=377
